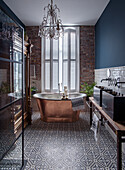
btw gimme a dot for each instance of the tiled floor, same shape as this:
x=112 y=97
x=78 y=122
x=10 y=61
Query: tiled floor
x=67 y=146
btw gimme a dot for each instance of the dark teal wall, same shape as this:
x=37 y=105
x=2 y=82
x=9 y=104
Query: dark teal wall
x=110 y=36
x=6 y=9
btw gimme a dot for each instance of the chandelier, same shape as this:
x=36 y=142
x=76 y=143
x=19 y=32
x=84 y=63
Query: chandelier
x=51 y=26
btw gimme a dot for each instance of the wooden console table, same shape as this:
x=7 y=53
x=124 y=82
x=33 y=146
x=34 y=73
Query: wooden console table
x=118 y=129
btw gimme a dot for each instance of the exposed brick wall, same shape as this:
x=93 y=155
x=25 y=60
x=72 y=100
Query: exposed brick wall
x=87 y=54
x=32 y=32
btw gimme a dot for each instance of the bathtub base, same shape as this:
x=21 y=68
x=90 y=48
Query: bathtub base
x=57 y=111
x=68 y=120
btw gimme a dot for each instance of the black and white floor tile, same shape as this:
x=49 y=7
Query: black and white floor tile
x=66 y=146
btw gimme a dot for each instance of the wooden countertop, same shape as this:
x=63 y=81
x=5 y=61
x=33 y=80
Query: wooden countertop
x=117 y=126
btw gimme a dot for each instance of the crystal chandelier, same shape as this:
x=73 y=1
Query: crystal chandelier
x=51 y=26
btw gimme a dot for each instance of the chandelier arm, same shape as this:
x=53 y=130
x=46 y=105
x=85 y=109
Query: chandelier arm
x=56 y=18
x=46 y=7
x=53 y=20
x=56 y=8
x=49 y=6
x=58 y=12
x=48 y=16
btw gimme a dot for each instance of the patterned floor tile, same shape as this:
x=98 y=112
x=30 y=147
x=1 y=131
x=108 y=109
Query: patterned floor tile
x=67 y=146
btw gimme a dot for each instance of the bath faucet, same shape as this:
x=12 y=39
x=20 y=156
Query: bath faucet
x=116 y=84
x=107 y=79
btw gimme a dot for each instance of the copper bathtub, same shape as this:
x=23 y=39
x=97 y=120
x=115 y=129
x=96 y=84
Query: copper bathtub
x=54 y=109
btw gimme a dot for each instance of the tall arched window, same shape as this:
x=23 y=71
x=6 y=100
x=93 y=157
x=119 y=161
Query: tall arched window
x=60 y=62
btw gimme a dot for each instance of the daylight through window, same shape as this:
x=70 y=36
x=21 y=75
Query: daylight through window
x=60 y=62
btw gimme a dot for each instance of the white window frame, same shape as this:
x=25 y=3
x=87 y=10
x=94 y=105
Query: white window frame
x=77 y=82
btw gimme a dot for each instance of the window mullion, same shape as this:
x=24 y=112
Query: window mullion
x=73 y=60
x=76 y=60
x=44 y=62
x=58 y=65
x=62 y=61
x=69 y=57
x=51 y=65
x=47 y=60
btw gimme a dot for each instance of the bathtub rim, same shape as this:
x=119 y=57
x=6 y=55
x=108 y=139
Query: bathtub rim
x=57 y=99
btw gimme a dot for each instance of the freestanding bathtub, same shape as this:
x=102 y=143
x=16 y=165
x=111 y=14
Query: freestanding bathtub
x=54 y=109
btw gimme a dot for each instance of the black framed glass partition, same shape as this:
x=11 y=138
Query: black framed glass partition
x=11 y=93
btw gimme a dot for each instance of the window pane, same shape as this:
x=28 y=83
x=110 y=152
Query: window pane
x=5 y=83
x=17 y=43
x=65 y=50
x=47 y=51
x=60 y=60
x=10 y=82
x=65 y=73
x=72 y=75
x=55 y=49
x=73 y=45
x=17 y=56
x=55 y=75
x=47 y=76
x=17 y=79
x=5 y=49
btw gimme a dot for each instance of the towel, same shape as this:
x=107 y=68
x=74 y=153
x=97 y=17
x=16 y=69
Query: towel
x=96 y=127
x=77 y=103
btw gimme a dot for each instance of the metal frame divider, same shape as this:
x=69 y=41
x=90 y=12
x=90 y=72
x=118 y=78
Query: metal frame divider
x=7 y=60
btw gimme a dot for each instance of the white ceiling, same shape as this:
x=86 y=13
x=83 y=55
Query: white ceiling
x=76 y=12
